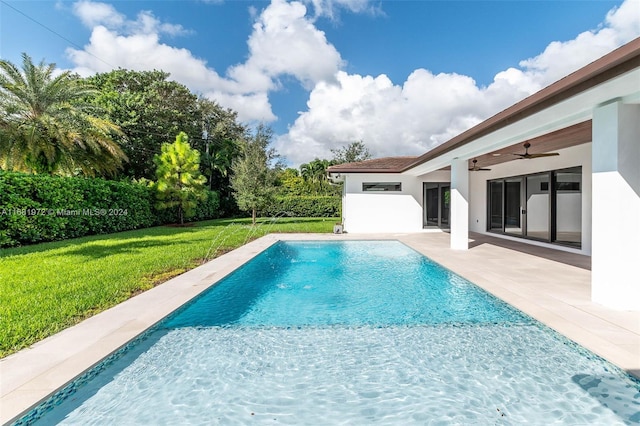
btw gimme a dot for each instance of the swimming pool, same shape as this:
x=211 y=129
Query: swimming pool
x=348 y=332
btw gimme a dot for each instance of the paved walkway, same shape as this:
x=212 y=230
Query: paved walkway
x=550 y=285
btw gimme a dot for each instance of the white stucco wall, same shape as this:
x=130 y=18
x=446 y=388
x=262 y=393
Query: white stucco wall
x=615 y=280
x=368 y=212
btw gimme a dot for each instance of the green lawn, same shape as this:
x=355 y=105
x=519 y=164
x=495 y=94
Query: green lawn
x=47 y=287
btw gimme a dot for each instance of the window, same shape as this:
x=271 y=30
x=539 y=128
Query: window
x=381 y=186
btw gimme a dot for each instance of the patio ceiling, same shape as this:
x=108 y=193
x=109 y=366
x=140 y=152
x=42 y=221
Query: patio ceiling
x=551 y=142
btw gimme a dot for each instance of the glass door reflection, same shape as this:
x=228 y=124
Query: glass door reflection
x=513 y=211
x=538 y=207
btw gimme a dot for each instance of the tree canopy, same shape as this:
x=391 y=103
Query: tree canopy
x=351 y=153
x=220 y=143
x=253 y=177
x=149 y=109
x=48 y=124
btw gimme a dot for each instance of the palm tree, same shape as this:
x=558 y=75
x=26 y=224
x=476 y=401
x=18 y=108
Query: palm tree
x=48 y=125
x=218 y=157
x=315 y=173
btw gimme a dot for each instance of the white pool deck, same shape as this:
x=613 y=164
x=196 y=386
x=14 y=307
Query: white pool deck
x=550 y=285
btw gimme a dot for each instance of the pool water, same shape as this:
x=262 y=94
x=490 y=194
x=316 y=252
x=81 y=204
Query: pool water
x=347 y=333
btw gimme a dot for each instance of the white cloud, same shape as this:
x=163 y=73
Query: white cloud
x=283 y=42
x=94 y=14
x=428 y=109
x=331 y=8
x=251 y=107
x=280 y=30
x=392 y=119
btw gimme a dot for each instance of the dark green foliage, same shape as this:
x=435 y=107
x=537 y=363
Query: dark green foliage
x=220 y=143
x=48 y=125
x=303 y=206
x=150 y=109
x=208 y=208
x=37 y=208
x=253 y=179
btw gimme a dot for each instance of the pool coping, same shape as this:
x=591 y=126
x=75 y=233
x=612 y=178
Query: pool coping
x=559 y=299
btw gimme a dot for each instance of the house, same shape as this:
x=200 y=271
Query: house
x=560 y=169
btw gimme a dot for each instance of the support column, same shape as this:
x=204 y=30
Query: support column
x=615 y=253
x=459 y=204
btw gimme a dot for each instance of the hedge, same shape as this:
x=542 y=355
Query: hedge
x=38 y=208
x=304 y=206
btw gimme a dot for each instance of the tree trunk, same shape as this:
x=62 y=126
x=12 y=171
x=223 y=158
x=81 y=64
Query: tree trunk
x=180 y=215
x=253 y=216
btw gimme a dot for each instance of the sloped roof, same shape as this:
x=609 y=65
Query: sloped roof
x=378 y=165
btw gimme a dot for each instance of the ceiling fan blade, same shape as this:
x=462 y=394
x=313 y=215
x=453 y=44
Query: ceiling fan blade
x=548 y=154
x=475 y=167
x=527 y=156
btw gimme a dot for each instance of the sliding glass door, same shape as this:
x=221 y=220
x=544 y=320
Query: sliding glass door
x=445 y=200
x=538 y=207
x=437 y=197
x=431 y=207
x=543 y=206
x=496 y=212
x=513 y=206
x=568 y=199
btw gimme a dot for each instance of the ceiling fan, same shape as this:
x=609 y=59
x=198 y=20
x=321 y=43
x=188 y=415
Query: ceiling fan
x=475 y=167
x=527 y=156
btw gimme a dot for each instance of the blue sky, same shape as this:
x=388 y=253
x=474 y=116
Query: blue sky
x=403 y=76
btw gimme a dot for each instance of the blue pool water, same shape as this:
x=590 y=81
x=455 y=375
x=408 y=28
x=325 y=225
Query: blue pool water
x=347 y=333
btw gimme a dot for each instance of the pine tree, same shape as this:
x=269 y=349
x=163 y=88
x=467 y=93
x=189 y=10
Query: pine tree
x=179 y=183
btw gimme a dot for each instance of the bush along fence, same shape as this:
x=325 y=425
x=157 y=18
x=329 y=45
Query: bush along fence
x=304 y=206
x=38 y=208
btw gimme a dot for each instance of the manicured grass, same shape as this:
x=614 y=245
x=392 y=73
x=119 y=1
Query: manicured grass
x=47 y=287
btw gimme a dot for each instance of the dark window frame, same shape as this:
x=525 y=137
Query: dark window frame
x=555 y=188
x=381 y=186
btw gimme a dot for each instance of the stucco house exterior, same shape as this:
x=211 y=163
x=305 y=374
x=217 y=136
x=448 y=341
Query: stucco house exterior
x=582 y=196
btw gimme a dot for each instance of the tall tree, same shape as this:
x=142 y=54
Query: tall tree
x=253 y=177
x=150 y=110
x=179 y=183
x=315 y=174
x=47 y=125
x=351 y=153
x=221 y=135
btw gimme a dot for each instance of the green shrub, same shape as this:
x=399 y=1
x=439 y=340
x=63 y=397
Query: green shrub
x=304 y=206
x=37 y=208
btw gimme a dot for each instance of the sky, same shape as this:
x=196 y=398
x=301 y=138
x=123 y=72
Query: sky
x=402 y=76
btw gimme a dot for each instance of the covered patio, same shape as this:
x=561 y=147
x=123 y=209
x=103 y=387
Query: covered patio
x=574 y=147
